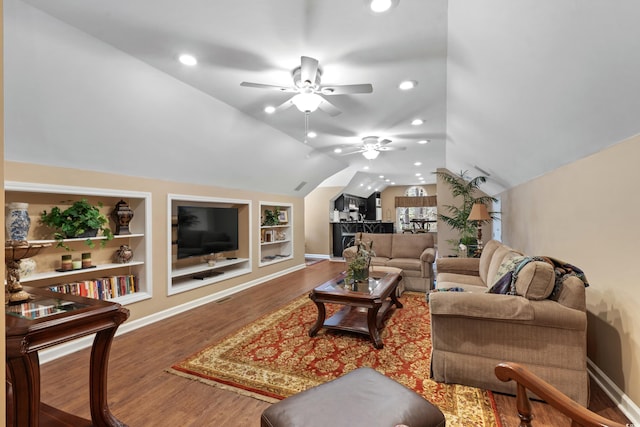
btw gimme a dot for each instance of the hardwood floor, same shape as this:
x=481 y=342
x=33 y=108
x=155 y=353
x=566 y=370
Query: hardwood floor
x=142 y=394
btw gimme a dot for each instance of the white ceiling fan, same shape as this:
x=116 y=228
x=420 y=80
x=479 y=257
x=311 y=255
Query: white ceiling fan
x=371 y=147
x=309 y=92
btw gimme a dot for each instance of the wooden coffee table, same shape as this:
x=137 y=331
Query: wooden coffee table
x=365 y=305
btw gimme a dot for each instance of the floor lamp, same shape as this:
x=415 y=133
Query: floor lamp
x=479 y=214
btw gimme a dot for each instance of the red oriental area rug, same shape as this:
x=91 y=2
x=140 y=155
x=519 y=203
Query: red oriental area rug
x=274 y=357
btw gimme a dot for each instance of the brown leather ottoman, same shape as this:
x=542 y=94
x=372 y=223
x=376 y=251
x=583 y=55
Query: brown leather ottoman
x=361 y=398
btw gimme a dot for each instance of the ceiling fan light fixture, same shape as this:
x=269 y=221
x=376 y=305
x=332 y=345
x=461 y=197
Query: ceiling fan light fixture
x=381 y=6
x=370 y=154
x=187 y=59
x=307 y=102
x=407 y=85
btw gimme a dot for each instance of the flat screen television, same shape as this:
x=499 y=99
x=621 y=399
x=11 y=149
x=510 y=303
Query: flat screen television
x=206 y=230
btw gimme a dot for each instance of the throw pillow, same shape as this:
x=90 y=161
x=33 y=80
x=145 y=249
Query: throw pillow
x=502 y=281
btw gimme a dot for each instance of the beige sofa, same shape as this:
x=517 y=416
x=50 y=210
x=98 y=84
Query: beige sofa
x=473 y=331
x=414 y=254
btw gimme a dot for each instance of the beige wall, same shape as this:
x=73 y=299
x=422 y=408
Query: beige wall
x=586 y=213
x=317 y=214
x=159 y=190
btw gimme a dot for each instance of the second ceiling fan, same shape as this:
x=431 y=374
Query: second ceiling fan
x=310 y=94
x=372 y=146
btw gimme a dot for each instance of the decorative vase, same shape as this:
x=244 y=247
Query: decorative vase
x=122 y=215
x=124 y=254
x=18 y=221
x=361 y=274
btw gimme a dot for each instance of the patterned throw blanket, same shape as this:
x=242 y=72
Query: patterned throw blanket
x=563 y=270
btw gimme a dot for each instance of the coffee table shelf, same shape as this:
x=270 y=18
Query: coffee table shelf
x=364 y=309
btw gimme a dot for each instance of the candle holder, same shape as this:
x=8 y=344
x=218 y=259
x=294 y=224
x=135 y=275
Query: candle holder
x=14 y=251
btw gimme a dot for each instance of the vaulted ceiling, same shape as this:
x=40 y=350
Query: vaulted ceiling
x=508 y=88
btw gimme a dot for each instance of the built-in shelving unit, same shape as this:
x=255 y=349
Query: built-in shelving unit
x=44 y=196
x=195 y=272
x=276 y=240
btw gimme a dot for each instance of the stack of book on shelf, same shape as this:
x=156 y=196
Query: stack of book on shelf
x=104 y=288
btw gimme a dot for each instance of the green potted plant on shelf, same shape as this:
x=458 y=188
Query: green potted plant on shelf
x=81 y=219
x=466 y=188
x=271 y=217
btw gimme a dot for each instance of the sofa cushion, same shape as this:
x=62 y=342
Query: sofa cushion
x=381 y=243
x=379 y=260
x=536 y=280
x=485 y=259
x=463 y=279
x=405 y=263
x=410 y=245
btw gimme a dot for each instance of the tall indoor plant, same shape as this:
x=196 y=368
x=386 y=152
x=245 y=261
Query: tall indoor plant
x=81 y=219
x=456 y=217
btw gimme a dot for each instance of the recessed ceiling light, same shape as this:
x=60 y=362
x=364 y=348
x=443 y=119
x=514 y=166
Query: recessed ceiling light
x=311 y=134
x=393 y=183
x=387 y=180
x=417 y=164
x=417 y=122
x=381 y=6
x=418 y=174
x=269 y=109
x=369 y=188
x=366 y=168
x=407 y=85
x=381 y=176
x=187 y=59
x=338 y=150
x=423 y=141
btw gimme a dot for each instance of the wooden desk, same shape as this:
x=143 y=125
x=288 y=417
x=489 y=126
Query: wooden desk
x=49 y=319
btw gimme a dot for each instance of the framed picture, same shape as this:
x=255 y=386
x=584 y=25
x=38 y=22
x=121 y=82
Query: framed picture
x=283 y=217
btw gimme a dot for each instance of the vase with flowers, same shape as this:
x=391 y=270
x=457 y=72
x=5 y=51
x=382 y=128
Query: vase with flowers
x=358 y=268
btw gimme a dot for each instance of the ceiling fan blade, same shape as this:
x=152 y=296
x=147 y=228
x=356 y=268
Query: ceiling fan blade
x=329 y=108
x=391 y=148
x=384 y=141
x=272 y=87
x=286 y=104
x=346 y=89
x=347 y=153
x=308 y=69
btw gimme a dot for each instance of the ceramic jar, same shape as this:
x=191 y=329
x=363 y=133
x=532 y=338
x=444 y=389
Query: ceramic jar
x=18 y=221
x=124 y=254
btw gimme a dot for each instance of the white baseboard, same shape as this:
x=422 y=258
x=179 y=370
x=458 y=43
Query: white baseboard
x=72 y=346
x=321 y=256
x=626 y=405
